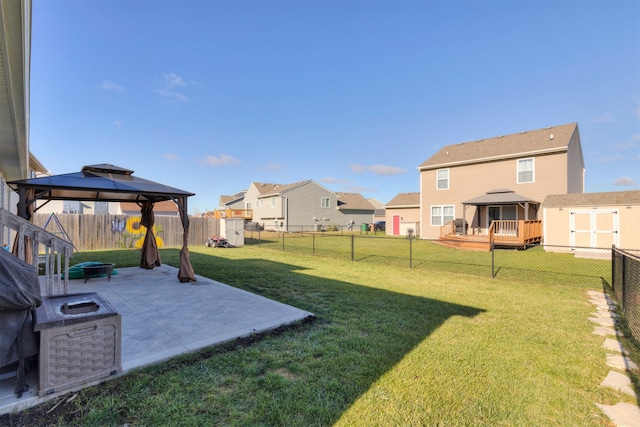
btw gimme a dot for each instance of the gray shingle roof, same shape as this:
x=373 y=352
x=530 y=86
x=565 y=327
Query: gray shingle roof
x=549 y=139
x=404 y=199
x=498 y=197
x=615 y=198
x=353 y=201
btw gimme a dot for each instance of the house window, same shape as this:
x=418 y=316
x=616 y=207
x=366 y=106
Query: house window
x=440 y=215
x=443 y=179
x=325 y=202
x=273 y=201
x=261 y=202
x=525 y=170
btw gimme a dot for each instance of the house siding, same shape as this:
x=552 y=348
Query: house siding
x=621 y=209
x=472 y=180
x=409 y=218
x=304 y=205
x=575 y=165
x=557 y=225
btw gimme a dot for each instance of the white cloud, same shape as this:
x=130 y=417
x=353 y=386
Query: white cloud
x=274 y=167
x=170 y=94
x=624 y=181
x=329 y=180
x=118 y=123
x=169 y=82
x=613 y=158
x=605 y=118
x=171 y=156
x=107 y=85
x=377 y=169
x=172 y=80
x=223 y=160
x=386 y=170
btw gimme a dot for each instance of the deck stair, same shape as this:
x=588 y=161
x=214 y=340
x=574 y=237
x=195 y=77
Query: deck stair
x=469 y=243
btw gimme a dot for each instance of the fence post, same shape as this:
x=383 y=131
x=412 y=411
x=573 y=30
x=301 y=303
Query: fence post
x=493 y=265
x=313 y=243
x=352 y=248
x=410 y=252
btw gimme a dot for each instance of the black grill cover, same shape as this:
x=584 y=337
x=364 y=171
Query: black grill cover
x=19 y=295
x=19 y=285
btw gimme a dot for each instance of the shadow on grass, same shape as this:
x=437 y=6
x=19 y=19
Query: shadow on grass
x=360 y=334
x=308 y=375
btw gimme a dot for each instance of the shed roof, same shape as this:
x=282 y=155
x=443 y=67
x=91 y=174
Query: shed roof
x=404 y=200
x=614 y=198
x=549 y=139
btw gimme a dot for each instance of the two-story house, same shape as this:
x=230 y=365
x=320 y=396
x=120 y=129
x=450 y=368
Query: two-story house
x=294 y=207
x=502 y=178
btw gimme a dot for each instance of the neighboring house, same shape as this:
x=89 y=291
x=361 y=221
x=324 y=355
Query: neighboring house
x=501 y=178
x=291 y=207
x=235 y=201
x=379 y=214
x=355 y=209
x=164 y=208
x=591 y=220
x=402 y=213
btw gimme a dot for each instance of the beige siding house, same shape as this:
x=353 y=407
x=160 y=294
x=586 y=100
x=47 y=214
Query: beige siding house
x=501 y=178
x=403 y=213
x=574 y=222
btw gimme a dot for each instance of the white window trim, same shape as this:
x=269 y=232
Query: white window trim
x=322 y=199
x=453 y=216
x=533 y=171
x=438 y=179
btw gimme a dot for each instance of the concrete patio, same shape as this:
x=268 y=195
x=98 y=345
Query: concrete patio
x=163 y=318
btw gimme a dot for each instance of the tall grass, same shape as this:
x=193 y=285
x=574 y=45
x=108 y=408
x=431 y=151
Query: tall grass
x=391 y=345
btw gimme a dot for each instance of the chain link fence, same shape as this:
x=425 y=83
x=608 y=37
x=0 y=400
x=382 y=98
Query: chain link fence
x=534 y=263
x=626 y=287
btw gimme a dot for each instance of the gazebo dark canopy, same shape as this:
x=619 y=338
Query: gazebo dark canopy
x=105 y=182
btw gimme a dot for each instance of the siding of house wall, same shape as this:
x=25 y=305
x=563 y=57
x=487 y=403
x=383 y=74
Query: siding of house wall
x=408 y=215
x=575 y=166
x=304 y=203
x=557 y=225
x=469 y=181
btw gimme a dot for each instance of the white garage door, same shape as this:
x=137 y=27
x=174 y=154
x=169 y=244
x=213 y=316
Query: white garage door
x=594 y=229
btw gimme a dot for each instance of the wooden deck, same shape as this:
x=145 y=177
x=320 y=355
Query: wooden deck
x=511 y=233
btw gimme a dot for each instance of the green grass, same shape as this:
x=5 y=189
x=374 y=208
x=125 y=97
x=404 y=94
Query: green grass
x=391 y=345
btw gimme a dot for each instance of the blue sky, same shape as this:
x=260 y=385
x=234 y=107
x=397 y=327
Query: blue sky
x=209 y=96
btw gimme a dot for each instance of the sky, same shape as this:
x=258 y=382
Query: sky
x=210 y=96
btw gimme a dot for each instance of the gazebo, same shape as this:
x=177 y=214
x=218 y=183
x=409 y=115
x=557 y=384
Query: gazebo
x=106 y=182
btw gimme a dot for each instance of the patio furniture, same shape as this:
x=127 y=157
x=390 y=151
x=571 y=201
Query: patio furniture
x=96 y=270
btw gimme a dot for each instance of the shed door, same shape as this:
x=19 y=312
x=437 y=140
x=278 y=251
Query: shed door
x=594 y=229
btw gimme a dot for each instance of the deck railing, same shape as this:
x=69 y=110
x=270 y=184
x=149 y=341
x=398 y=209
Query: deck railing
x=508 y=232
x=233 y=213
x=515 y=231
x=30 y=238
x=448 y=229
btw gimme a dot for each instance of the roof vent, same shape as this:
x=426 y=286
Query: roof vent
x=551 y=137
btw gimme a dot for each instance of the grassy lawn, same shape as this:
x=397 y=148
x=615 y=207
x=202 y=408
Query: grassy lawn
x=391 y=345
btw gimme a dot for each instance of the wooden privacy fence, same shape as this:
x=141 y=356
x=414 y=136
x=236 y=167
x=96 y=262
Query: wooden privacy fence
x=93 y=232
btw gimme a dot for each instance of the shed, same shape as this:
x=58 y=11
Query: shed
x=591 y=221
